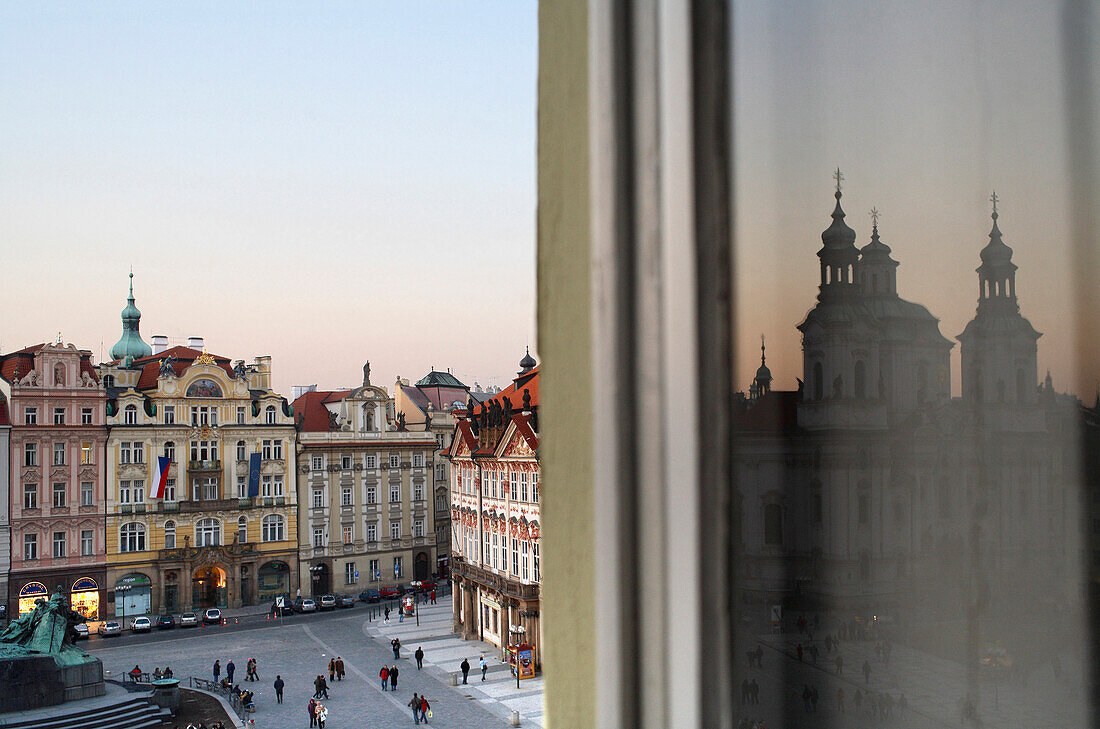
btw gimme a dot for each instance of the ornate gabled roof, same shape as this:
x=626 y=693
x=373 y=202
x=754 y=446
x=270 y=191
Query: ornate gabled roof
x=439 y=379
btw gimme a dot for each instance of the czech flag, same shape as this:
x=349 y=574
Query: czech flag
x=160 y=477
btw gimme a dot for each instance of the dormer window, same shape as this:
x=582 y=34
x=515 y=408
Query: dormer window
x=269 y=415
x=129 y=415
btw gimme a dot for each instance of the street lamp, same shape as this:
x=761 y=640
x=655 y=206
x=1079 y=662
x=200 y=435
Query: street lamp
x=416 y=585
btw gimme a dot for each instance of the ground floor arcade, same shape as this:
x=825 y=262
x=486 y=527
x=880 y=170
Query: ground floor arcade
x=497 y=610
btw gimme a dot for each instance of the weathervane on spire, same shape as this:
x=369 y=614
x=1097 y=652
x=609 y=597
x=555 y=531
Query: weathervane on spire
x=874 y=216
x=839 y=178
x=761 y=350
x=994 y=199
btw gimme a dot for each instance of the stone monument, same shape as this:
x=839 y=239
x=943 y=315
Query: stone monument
x=40 y=664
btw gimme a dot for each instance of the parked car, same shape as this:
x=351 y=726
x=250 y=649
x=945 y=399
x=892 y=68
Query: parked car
x=390 y=593
x=189 y=620
x=81 y=631
x=287 y=606
x=345 y=601
x=141 y=624
x=165 y=622
x=305 y=605
x=111 y=627
x=212 y=616
x=371 y=595
x=428 y=587
x=328 y=602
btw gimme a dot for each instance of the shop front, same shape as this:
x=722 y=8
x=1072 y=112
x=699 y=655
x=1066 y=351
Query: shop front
x=133 y=596
x=84 y=598
x=274 y=579
x=82 y=588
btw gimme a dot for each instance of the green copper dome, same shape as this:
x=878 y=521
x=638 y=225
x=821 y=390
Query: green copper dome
x=131 y=343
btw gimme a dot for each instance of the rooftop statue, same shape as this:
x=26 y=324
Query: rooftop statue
x=48 y=629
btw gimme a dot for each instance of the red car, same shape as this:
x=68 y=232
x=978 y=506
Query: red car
x=390 y=593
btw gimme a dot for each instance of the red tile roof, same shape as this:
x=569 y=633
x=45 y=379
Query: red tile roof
x=185 y=356
x=22 y=361
x=310 y=410
x=514 y=392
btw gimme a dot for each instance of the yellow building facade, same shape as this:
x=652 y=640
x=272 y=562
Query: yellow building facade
x=224 y=531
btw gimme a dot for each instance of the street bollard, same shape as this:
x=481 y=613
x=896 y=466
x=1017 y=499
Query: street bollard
x=515 y=718
x=454 y=680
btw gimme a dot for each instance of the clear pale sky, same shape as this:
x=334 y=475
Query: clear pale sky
x=926 y=110
x=322 y=182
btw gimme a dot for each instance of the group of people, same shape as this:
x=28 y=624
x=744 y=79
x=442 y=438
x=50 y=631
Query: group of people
x=465 y=668
x=420 y=708
x=318 y=713
x=320 y=687
x=336 y=669
x=202 y=725
x=231 y=668
x=750 y=692
x=389 y=675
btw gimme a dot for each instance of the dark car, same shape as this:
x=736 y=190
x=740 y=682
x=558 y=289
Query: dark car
x=165 y=622
x=371 y=595
x=390 y=593
x=287 y=606
x=345 y=601
x=212 y=616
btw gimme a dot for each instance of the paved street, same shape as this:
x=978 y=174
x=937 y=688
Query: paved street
x=299 y=649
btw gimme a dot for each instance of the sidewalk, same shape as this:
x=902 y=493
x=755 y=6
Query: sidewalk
x=443 y=653
x=935 y=687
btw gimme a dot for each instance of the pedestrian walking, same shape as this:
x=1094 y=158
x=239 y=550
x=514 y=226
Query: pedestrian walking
x=419 y=658
x=229 y=669
x=839 y=664
x=279 y=688
x=387 y=613
x=253 y=675
x=433 y=597
x=867 y=671
x=339 y=668
x=322 y=716
x=858 y=700
x=840 y=699
x=384 y=674
x=465 y=669
x=217 y=670
x=396 y=644
x=414 y=704
x=331 y=669
x=484 y=667
x=393 y=678
x=312 y=709
x=425 y=709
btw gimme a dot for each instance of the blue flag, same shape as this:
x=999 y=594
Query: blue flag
x=254 y=475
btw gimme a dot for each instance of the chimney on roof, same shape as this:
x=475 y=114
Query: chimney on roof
x=160 y=343
x=262 y=372
x=194 y=343
x=298 y=390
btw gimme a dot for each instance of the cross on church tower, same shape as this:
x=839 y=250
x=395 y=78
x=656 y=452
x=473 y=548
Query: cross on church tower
x=874 y=216
x=994 y=199
x=839 y=178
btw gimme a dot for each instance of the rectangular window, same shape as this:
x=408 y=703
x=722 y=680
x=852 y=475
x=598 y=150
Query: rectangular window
x=265 y=486
x=503 y=553
x=440 y=473
x=170 y=489
x=170 y=451
x=372 y=462
x=372 y=495
x=241 y=455
x=374 y=574
x=124 y=492
x=395 y=530
x=318 y=537
x=58 y=545
x=124 y=452
x=345 y=463
x=87 y=493
x=349 y=535
x=418 y=460
x=526 y=572
x=395 y=493
x=523 y=486
x=85 y=416
x=349 y=574
x=535 y=487
x=59 y=454
x=169 y=414
x=418 y=528
x=129 y=416
x=240 y=416
x=30 y=454
x=30 y=547
x=418 y=492
x=30 y=496
x=265 y=450
x=318 y=498
x=59 y=416
x=87 y=542
x=345 y=496
x=394 y=461
x=496 y=557
x=209 y=489
x=397 y=567
x=515 y=556
x=59 y=495
x=30 y=416
x=242 y=531
x=242 y=487
x=485 y=549
x=270 y=412
x=277 y=450
x=318 y=463
x=139 y=453
x=85 y=454
x=372 y=536
x=278 y=485
x=535 y=554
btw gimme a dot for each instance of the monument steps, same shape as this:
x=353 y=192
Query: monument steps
x=135 y=713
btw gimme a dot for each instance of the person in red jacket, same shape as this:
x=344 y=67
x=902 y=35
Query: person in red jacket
x=384 y=674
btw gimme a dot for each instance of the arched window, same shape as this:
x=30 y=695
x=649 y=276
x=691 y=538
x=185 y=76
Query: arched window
x=269 y=414
x=773 y=524
x=819 y=381
x=208 y=533
x=132 y=537
x=130 y=415
x=861 y=380
x=274 y=529
x=1021 y=386
x=169 y=535
x=242 y=530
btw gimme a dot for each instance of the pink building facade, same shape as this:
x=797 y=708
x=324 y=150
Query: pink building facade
x=58 y=440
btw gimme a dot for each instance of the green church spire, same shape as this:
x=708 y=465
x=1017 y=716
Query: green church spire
x=131 y=343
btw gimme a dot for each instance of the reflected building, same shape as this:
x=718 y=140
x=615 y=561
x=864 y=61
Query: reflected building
x=872 y=490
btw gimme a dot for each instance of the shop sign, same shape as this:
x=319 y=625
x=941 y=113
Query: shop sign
x=526 y=663
x=31 y=593
x=84 y=584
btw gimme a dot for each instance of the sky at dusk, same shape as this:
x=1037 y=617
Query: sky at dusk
x=324 y=182
x=926 y=110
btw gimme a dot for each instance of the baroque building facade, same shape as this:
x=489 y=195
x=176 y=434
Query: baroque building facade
x=872 y=489
x=366 y=510
x=495 y=513
x=224 y=531
x=58 y=440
